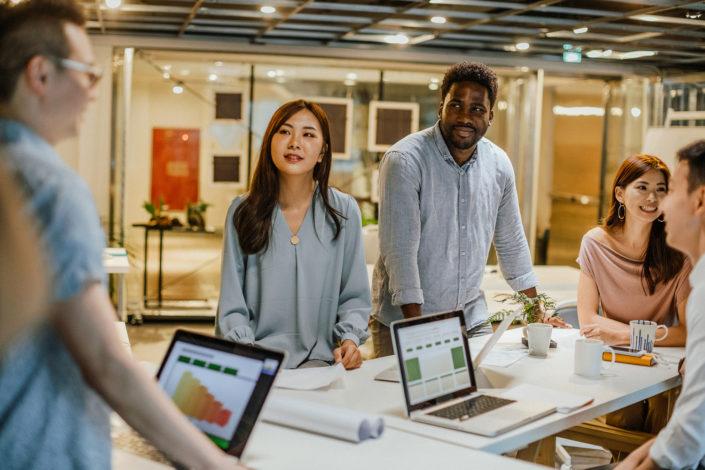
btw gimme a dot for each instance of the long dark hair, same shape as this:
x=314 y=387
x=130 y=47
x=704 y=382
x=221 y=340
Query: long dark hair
x=661 y=263
x=253 y=218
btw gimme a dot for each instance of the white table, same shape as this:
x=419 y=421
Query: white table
x=273 y=447
x=115 y=261
x=622 y=386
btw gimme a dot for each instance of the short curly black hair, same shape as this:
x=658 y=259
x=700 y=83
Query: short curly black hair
x=470 y=72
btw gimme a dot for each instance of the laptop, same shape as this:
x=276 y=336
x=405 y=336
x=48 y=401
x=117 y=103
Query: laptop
x=439 y=383
x=391 y=374
x=219 y=385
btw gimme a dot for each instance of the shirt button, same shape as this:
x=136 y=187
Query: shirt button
x=462 y=253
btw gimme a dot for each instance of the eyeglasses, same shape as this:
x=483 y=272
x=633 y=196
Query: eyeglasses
x=93 y=72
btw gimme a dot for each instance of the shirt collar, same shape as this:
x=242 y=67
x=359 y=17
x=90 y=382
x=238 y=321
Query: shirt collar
x=445 y=153
x=697 y=275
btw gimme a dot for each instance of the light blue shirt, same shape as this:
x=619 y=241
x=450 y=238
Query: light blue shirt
x=681 y=444
x=437 y=221
x=49 y=416
x=302 y=298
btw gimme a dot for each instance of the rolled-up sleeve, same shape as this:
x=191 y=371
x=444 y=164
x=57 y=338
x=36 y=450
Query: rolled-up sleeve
x=400 y=227
x=354 y=303
x=510 y=241
x=234 y=320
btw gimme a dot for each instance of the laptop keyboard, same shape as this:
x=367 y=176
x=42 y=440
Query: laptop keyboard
x=472 y=407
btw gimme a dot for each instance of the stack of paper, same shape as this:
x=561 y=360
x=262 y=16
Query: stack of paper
x=564 y=402
x=309 y=379
x=332 y=421
x=575 y=455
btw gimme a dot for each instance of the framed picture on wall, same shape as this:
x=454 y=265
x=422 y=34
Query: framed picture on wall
x=340 y=118
x=228 y=106
x=175 y=166
x=226 y=169
x=389 y=122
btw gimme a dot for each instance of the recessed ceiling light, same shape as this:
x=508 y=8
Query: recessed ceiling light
x=433 y=86
x=524 y=69
x=522 y=46
x=349 y=82
x=218 y=63
x=212 y=77
x=177 y=89
x=396 y=39
x=635 y=112
x=351 y=76
x=636 y=54
x=167 y=67
x=113 y=4
x=271 y=73
x=582 y=30
x=438 y=19
x=502 y=105
x=166 y=75
x=268 y=10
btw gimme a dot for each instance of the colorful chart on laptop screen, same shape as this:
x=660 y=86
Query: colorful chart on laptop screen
x=212 y=388
x=434 y=359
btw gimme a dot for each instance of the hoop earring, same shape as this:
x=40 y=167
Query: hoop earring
x=620 y=211
x=661 y=219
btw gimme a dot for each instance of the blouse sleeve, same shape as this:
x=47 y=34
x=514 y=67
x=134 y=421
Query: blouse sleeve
x=683 y=282
x=234 y=320
x=585 y=257
x=354 y=304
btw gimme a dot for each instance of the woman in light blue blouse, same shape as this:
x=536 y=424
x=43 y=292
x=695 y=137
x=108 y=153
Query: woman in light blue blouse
x=293 y=274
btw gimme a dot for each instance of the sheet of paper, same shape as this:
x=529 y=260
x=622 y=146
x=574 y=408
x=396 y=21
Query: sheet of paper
x=309 y=379
x=503 y=357
x=564 y=402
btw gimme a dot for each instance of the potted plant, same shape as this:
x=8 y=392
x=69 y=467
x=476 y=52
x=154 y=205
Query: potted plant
x=533 y=309
x=196 y=215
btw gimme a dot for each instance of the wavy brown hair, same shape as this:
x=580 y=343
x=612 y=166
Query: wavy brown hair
x=661 y=262
x=253 y=217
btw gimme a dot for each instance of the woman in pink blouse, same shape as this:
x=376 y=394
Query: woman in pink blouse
x=629 y=272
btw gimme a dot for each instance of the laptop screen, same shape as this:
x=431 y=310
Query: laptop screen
x=434 y=359
x=215 y=387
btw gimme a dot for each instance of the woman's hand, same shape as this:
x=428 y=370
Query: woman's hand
x=608 y=335
x=348 y=354
x=556 y=322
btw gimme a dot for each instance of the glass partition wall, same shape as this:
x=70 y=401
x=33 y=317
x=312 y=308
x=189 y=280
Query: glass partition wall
x=187 y=128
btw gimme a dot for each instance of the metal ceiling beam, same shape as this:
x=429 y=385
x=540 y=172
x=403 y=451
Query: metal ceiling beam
x=99 y=13
x=379 y=18
x=626 y=15
x=190 y=17
x=493 y=18
x=282 y=19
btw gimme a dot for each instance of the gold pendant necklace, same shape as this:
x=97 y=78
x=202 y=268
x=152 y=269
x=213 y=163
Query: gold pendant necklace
x=294 y=240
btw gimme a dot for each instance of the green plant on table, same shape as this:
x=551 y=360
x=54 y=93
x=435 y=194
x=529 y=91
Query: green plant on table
x=533 y=309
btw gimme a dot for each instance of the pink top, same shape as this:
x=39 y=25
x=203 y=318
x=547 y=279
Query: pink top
x=622 y=292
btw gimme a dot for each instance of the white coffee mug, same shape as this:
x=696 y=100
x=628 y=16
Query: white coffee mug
x=539 y=337
x=642 y=334
x=588 y=357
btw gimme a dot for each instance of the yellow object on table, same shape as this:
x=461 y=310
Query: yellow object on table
x=645 y=360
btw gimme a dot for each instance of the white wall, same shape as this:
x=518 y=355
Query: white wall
x=89 y=152
x=155 y=106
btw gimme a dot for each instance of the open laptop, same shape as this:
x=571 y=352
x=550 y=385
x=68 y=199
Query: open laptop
x=219 y=385
x=439 y=384
x=391 y=374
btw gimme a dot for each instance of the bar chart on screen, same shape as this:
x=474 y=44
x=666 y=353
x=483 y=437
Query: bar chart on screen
x=434 y=359
x=211 y=389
